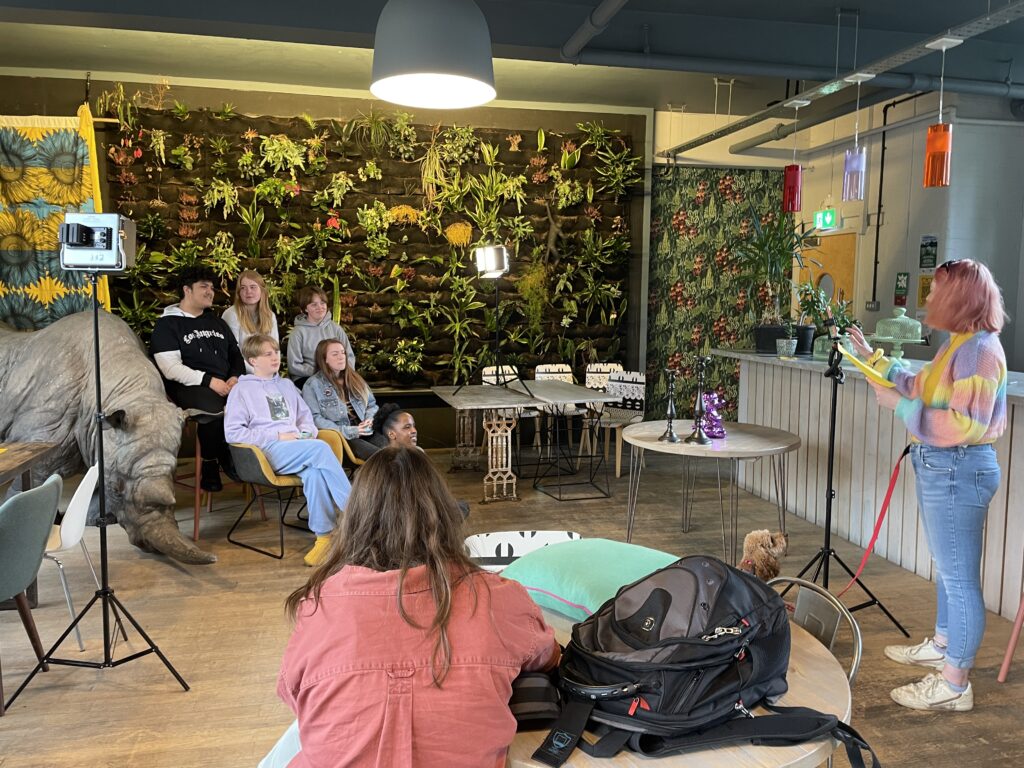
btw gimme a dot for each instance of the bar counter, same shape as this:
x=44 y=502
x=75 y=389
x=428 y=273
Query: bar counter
x=792 y=394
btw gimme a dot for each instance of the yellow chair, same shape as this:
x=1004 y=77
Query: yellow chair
x=340 y=446
x=254 y=470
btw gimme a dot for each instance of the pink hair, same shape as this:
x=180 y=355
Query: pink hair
x=965 y=298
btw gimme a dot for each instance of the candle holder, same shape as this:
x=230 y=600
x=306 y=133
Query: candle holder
x=670 y=436
x=698 y=435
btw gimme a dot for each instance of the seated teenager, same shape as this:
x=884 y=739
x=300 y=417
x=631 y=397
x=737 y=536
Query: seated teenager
x=312 y=325
x=250 y=313
x=267 y=411
x=340 y=399
x=402 y=646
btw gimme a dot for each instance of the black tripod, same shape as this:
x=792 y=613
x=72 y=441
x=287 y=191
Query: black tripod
x=500 y=377
x=823 y=557
x=104 y=595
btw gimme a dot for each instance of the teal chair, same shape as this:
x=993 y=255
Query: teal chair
x=25 y=523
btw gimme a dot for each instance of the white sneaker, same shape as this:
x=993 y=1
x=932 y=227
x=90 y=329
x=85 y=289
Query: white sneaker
x=933 y=693
x=924 y=654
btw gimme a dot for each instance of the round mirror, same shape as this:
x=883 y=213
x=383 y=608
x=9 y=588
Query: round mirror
x=827 y=284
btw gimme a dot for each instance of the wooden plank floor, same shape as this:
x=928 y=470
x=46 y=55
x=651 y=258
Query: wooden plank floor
x=222 y=626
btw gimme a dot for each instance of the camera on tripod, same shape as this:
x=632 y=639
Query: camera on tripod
x=97 y=242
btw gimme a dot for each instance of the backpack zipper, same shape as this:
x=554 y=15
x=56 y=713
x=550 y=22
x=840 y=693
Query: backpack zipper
x=640 y=702
x=721 y=631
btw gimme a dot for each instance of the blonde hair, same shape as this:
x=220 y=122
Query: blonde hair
x=253 y=345
x=350 y=383
x=260 y=321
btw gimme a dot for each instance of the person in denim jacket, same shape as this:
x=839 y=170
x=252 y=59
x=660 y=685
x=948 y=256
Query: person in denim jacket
x=340 y=399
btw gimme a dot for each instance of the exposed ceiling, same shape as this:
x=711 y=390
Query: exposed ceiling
x=304 y=43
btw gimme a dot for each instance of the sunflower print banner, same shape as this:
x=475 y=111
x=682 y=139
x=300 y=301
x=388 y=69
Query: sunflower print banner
x=47 y=168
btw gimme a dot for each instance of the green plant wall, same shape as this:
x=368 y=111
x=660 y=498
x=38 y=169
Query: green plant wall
x=383 y=211
x=696 y=301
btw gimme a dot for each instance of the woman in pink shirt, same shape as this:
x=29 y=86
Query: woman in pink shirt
x=404 y=651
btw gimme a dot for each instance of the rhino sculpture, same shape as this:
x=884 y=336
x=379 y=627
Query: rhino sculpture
x=47 y=393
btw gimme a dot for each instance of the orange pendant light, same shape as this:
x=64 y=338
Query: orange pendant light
x=938 y=152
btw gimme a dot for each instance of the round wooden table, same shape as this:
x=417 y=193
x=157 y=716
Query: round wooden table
x=742 y=442
x=815 y=679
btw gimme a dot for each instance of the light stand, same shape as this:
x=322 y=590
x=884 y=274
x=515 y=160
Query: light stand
x=104 y=595
x=698 y=436
x=827 y=553
x=492 y=261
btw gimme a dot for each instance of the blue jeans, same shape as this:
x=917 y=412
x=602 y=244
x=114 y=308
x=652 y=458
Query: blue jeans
x=954 y=488
x=323 y=482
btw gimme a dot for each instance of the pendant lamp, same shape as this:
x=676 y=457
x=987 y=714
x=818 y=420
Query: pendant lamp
x=856 y=159
x=938 y=151
x=433 y=54
x=792 y=174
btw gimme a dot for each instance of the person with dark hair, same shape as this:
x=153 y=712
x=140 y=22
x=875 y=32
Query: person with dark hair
x=340 y=399
x=954 y=409
x=402 y=645
x=397 y=425
x=198 y=357
x=312 y=325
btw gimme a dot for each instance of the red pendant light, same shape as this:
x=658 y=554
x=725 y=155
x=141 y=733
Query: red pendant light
x=938 y=151
x=792 y=174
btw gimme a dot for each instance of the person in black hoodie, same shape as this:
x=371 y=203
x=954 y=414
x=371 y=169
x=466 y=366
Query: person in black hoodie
x=199 y=359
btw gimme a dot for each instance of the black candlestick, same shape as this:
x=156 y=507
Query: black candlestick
x=698 y=436
x=670 y=435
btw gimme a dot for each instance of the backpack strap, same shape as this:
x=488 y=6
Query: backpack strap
x=536 y=701
x=565 y=733
x=844 y=733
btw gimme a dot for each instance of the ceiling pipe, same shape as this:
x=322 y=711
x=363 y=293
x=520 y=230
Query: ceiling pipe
x=782 y=130
x=593 y=25
x=894 y=80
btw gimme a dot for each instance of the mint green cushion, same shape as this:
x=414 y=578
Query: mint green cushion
x=575 y=578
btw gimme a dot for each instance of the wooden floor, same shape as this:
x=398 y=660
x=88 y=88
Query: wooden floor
x=222 y=626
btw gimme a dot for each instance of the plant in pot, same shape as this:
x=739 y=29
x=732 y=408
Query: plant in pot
x=786 y=346
x=766 y=263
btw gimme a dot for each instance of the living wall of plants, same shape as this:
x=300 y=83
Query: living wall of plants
x=698 y=297
x=383 y=210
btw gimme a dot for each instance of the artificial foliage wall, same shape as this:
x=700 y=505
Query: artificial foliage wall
x=383 y=211
x=696 y=299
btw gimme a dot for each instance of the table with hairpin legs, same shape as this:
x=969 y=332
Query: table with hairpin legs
x=743 y=442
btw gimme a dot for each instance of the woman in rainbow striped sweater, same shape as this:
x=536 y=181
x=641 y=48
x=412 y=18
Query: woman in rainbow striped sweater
x=954 y=409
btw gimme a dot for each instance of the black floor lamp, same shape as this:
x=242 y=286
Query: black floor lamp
x=492 y=261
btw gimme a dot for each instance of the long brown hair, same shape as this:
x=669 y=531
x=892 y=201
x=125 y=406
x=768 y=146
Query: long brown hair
x=350 y=383
x=260 y=321
x=400 y=515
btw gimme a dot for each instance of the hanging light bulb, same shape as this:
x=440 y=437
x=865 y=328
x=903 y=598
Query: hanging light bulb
x=792 y=174
x=938 y=151
x=856 y=159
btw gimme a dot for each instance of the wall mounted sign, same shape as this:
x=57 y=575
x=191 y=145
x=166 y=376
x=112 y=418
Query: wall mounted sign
x=826 y=218
x=899 y=298
x=924 y=285
x=929 y=251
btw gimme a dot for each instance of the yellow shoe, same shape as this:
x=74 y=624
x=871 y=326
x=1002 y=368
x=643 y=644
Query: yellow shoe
x=318 y=553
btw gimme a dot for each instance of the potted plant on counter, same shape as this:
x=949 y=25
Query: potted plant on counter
x=786 y=346
x=766 y=262
x=814 y=303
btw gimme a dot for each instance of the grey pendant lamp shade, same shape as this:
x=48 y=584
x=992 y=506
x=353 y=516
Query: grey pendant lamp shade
x=433 y=54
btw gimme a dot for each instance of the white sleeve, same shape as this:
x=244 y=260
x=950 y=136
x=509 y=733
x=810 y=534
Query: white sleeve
x=172 y=368
x=231 y=318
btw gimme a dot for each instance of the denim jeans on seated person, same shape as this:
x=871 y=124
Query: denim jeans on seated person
x=324 y=484
x=954 y=488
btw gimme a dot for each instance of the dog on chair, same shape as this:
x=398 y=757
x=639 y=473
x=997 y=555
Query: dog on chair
x=762 y=551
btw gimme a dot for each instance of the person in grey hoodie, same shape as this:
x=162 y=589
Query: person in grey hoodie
x=311 y=327
x=340 y=399
x=267 y=411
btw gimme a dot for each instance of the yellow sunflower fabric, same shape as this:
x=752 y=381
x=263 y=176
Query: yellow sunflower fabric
x=48 y=167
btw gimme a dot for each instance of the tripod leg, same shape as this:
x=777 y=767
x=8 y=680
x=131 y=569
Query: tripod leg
x=138 y=628
x=873 y=600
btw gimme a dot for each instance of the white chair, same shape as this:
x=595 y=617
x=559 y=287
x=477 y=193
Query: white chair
x=558 y=372
x=597 y=375
x=494 y=551
x=631 y=389
x=69 y=534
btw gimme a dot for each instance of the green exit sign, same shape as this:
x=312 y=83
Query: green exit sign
x=826 y=219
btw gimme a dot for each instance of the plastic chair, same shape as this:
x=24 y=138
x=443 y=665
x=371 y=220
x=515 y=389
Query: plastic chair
x=493 y=551
x=820 y=613
x=253 y=469
x=1004 y=670
x=631 y=389
x=25 y=522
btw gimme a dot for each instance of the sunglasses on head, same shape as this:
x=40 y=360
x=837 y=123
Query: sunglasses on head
x=947 y=266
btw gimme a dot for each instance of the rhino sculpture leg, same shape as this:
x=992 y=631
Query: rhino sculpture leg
x=47 y=393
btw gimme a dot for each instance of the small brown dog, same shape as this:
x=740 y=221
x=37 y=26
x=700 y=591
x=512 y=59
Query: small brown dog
x=762 y=551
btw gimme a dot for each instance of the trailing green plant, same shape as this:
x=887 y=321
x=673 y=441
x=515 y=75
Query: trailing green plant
x=331 y=196
x=187 y=253
x=274 y=191
x=402 y=142
x=596 y=135
x=489 y=153
x=375 y=221
x=182 y=157
x=222 y=258
x=141 y=315
x=249 y=165
x=617 y=171
x=280 y=153
x=373 y=132
x=118 y=104
x=368 y=171
x=288 y=252
x=566 y=192
x=149 y=269
x=158 y=144
x=254 y=219
x=461 y=325
x=222 y=192
x=316 y=153
x=407 y=356
x=316 y=271
x=280 y=294
x=431 y=170
x=459 y=145
x=150 y=228
x=534 y=290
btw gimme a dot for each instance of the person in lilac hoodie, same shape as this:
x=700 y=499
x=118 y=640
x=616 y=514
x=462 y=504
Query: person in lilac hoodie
x=267 y=411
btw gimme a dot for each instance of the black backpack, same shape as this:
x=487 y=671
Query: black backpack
x=675 y=661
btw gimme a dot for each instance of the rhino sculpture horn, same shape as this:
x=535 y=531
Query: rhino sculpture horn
x=160 y=534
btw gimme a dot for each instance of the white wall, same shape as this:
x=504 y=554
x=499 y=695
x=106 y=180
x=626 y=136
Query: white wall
x=981 y=215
